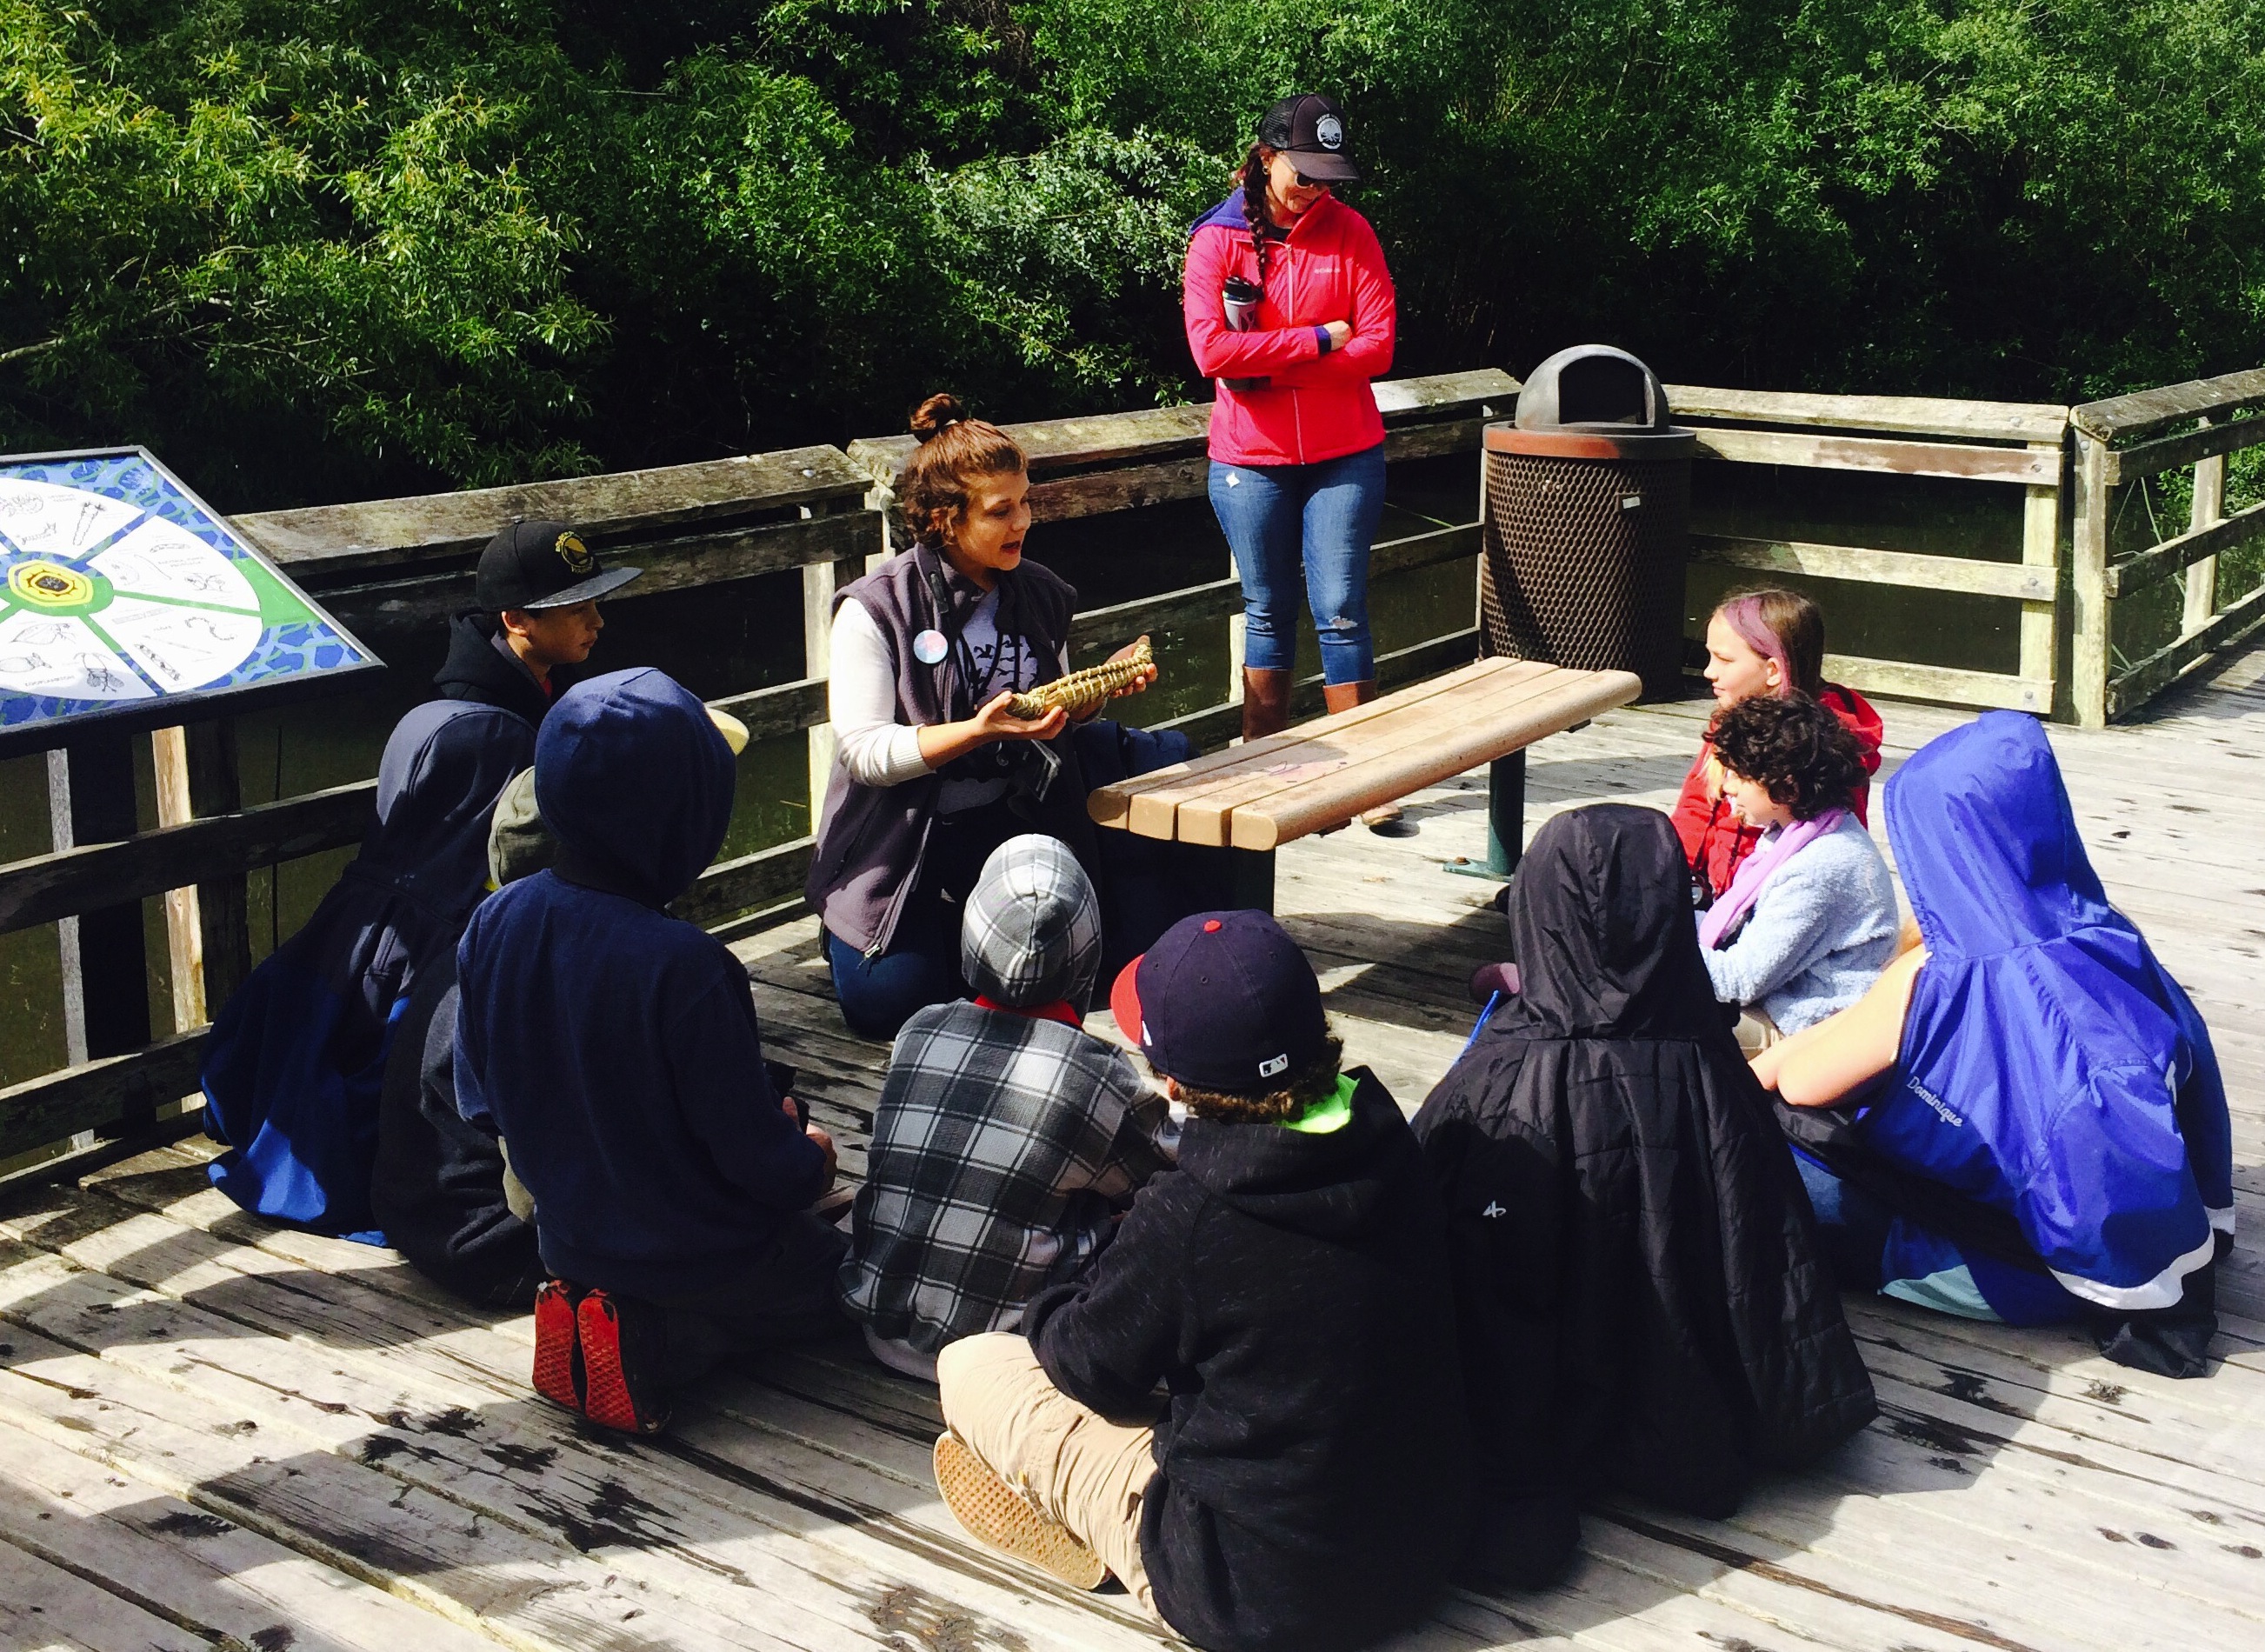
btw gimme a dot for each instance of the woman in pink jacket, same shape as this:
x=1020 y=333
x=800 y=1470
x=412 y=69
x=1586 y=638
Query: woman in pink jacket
x=1289 y=306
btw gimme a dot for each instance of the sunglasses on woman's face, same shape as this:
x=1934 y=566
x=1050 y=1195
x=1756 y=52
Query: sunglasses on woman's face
x=1304 y=182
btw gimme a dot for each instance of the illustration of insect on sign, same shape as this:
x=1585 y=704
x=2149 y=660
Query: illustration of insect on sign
x=125 y=599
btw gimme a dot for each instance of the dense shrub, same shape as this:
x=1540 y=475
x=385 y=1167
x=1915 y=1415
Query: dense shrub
x=315 y=248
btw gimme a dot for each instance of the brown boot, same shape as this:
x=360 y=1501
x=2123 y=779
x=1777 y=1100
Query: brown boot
x=1265 y=702
x=1343 y=696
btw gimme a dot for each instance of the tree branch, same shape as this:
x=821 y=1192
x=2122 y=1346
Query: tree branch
x=41 y=348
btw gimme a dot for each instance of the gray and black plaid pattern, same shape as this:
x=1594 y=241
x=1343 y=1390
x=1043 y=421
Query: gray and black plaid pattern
x=1000 y=1148
x=1032 y=931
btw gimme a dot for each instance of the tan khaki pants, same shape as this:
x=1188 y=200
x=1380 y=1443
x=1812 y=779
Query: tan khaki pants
x=1756 y=1033
x=1077 y=1468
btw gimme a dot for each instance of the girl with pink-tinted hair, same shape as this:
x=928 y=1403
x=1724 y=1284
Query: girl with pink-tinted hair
x=1768 y=641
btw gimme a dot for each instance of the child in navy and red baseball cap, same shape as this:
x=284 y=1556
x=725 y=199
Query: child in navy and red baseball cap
x=1287 y=1282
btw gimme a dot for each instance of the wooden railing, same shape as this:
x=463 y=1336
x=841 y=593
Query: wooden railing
x=823 y=513
x=2122 y=442
x=1990 y=444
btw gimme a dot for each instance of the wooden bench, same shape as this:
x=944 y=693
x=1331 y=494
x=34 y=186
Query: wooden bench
x=1250 y=799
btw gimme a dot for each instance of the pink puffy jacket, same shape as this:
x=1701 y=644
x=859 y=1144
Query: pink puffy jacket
x=1314 y=406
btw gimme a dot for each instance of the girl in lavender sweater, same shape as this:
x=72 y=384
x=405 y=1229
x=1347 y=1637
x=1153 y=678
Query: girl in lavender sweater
x=1810 y=920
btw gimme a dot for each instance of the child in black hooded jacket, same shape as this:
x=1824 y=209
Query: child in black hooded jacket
x=1306 y=1486
x=1642 y=1302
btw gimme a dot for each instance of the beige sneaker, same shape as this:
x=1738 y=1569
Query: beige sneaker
x=996 y=1513
x=1383 y=818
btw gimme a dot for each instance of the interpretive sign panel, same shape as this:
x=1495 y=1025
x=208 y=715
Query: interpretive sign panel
x=126 y=600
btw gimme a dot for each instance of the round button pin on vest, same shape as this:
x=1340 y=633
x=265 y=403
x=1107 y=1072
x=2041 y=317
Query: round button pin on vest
x=929 y=648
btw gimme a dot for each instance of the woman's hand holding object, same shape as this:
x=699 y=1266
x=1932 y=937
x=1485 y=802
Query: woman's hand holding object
x=940 y=743
x=1139 y=683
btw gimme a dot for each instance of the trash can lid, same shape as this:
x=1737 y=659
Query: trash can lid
x=1593 y=386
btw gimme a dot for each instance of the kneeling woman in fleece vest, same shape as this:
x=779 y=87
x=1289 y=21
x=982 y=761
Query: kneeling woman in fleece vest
x=931 y=773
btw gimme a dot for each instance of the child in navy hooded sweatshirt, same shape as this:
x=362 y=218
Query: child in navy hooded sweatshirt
x=616 y=1048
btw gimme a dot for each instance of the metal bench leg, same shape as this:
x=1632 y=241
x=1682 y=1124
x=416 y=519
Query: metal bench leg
x=1253 y=874
x=1506 y=819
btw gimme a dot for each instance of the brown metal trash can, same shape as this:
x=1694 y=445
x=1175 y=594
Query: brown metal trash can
x=1587 y=523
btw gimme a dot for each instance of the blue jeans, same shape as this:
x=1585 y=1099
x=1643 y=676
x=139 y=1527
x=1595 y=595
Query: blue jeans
x=1851 y=1227
x=877 y=995
x=1317 y=521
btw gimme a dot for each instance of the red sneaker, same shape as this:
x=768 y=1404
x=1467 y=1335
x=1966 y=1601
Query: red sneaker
x=557 y=1349
x=620 y=1388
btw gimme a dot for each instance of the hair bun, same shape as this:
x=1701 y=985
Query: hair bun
x=937 y=414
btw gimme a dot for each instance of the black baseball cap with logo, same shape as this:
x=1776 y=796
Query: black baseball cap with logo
x=1311 y=130
x=543 y=565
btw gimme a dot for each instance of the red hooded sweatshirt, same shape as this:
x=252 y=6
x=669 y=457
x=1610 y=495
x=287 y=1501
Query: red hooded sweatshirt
x=1714 y=840
x=1314 y=406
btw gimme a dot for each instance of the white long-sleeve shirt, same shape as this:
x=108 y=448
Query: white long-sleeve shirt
x=861 y=697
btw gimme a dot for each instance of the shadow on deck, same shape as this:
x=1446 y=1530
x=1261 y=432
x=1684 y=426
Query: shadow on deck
x=217 y=1433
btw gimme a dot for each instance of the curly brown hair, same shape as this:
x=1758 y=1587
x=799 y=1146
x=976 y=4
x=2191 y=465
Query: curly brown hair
x=954 y=450
x=1794 y=748
x=1309 y=1084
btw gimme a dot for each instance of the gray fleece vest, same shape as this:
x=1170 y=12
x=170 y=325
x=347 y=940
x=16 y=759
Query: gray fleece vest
x=872 y=839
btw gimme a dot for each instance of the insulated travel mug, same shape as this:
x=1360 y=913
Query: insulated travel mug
x=1239 y=299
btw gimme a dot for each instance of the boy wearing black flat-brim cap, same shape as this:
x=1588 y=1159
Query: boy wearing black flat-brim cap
x=1307 y=1487
x=534 y=608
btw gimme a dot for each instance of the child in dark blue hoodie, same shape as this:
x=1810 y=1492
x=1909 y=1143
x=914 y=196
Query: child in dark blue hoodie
x=616 y=1048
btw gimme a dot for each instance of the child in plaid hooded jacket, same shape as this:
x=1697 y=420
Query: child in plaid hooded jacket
x=1007 y=1138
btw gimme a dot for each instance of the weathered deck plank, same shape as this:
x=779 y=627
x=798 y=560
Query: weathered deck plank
x=194 y=1569
x=211 y=1428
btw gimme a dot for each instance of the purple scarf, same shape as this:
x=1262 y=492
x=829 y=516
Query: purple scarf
x=1717 y=922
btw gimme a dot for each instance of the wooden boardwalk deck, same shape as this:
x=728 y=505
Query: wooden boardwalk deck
x=217 y=1434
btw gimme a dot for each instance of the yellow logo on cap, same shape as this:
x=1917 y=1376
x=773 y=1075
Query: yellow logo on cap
x=574 y=554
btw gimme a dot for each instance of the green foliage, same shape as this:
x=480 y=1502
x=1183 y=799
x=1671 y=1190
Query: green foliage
x=220 y=247
x=313 y=248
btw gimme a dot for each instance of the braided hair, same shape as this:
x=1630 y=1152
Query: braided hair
x=1254 y=206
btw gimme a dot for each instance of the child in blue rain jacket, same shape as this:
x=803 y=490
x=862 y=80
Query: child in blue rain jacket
x=2023 y=1120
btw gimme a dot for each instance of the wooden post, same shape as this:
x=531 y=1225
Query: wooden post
x=59 y=836
x=2202 y=577
x=2041 y=548
x=222 y=904
x=2088 y=655
x=883 y=503
x=104 y=968
x=819 y=581
x=168 y=758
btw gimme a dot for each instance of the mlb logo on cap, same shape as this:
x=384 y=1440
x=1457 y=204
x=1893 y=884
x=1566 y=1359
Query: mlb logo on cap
x=1225 y=1000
